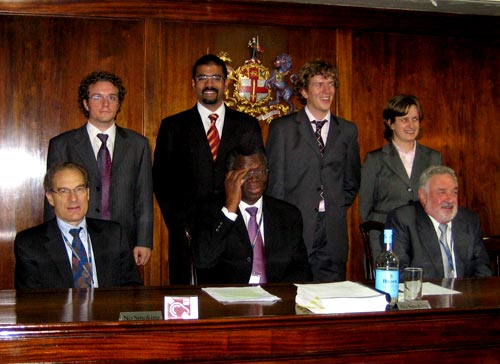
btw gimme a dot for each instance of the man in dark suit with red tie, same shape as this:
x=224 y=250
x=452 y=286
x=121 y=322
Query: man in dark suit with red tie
x=72 y=251
x=190 y=156
x=117 y=159
x=245 y=237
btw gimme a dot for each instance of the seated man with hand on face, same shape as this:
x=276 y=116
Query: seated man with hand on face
x=245 y=237
x=436 y=234
x=72 y=251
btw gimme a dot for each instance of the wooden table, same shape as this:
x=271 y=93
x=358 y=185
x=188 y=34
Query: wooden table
x=81 y=327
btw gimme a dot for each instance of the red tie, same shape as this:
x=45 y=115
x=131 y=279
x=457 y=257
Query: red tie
x=213 y=136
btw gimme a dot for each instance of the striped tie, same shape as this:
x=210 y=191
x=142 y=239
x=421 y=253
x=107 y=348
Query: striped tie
x=317 y=133
x=104 y=165
x=79 y=261
x=213 y=136
x=259 y=256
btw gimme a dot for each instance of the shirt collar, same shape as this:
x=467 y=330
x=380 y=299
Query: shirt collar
x=312 y=118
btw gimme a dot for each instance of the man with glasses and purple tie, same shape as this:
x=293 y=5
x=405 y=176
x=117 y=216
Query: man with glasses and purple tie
x=245 y=237
x=117 y=159
x=190 y=156
x=70 y=250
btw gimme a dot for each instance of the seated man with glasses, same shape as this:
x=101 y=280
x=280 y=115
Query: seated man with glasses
x=72 y=251
x=245 y=237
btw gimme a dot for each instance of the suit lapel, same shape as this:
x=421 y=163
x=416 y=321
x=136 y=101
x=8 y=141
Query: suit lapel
x=428 y=238
x=55 y=246
x=393 y=162
x=419 y=164
x=461 y=242
x=270 y=225
x=242 y=231
x=98 y=241
x=120 y=150
x=306 y=131
x=83 y=148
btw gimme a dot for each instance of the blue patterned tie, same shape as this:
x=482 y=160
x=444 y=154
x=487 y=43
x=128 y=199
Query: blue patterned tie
x=259 y=257
x=447 y=257
x=80 y=262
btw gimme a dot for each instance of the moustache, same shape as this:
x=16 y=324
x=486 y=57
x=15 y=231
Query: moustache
x=447 y=205
x=210 y=89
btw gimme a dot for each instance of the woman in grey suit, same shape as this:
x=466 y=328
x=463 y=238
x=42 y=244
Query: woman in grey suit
x=389 y=176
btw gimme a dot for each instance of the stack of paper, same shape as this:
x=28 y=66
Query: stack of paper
x=254 y=294
x=340 y=297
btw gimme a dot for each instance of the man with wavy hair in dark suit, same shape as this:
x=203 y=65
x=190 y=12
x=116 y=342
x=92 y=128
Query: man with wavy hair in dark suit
x=314 y=164
x=128 y=198
x=190 y=157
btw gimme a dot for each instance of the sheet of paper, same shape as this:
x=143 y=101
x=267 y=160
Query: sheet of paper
x=346 y=289
x=429 y=289
x=240 y=294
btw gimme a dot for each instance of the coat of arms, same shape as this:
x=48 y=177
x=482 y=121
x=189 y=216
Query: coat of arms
x=251 y=85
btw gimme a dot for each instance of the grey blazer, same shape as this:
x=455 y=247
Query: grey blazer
x=297 y=171
x=417 y=245
x=131 y=179
x=385 y=184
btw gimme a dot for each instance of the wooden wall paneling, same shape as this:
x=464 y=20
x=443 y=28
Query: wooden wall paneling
x=154 y=273
x=42 y=62
x=456 y=80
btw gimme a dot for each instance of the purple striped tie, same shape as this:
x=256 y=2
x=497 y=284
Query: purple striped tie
x=104 y=164
x=259 y=257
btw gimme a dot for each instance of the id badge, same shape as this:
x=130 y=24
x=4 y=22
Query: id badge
x=255 y=278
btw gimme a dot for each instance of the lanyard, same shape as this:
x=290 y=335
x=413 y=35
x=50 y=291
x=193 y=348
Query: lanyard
x=258 y=230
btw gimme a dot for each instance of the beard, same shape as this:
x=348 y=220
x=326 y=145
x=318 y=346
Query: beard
x=212 y=99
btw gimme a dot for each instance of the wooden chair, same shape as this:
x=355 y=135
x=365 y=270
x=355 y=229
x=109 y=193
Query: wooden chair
x=492 y=245
x=365 y=228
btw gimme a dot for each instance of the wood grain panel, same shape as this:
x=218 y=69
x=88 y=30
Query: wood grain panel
x=46 y=47
x=42 y=61
x=456 y=79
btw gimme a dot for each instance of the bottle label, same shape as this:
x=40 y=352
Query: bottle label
x=387 y=281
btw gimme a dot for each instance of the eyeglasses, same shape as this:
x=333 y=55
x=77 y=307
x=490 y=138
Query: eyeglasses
x=257 y=173
x=66 y=192
x=203 y=78
x=98 y=98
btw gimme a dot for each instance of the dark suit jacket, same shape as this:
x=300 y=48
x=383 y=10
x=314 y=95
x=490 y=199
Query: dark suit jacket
x=183 y=168
x=417 y=245
x=42 y=260
x=131 y=179
x=184 y=172
x=385 y=184
x=297 y=171
x=223 y=253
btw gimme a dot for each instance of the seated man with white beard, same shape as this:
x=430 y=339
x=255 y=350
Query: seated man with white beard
x=436 y=234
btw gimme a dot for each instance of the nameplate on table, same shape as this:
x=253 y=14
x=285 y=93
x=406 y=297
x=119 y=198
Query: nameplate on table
x=140 y=316
x=413 y=305
x=181 y=307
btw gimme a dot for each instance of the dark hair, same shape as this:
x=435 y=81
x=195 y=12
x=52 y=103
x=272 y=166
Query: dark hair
x=243 y=152
x=48 y=181
x=311 y=69
x=94 y=77
x=209 y=59
x=398 y=105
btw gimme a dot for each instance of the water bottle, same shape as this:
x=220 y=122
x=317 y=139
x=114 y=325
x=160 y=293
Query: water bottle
x=387 y=269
